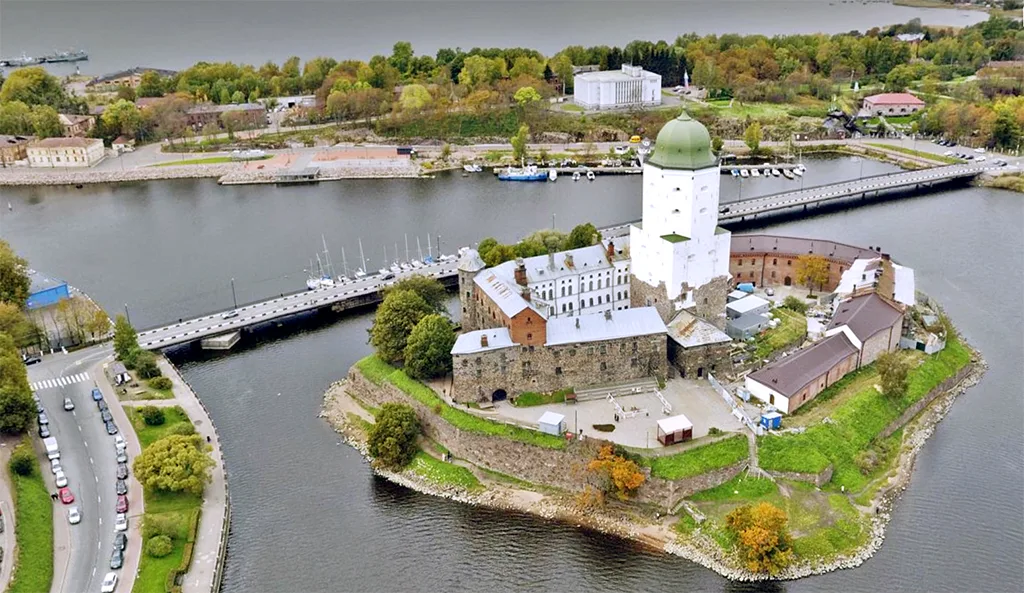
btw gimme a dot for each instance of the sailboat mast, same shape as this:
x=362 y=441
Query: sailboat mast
x=396 y=253
x=430 y=253
x=419 y=250
x=362 y=259
x=327 y=256
x=407 y=248
x=344 y=262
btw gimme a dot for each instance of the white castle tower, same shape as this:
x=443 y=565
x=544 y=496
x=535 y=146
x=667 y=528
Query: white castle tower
x=680 y=257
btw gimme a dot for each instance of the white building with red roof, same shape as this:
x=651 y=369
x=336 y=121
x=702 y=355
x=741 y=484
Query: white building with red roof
x=891 y=104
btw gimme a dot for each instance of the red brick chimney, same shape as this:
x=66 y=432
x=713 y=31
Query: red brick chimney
x=611 y=250
x=483 y=340
x=886 y=282
x=520 y=272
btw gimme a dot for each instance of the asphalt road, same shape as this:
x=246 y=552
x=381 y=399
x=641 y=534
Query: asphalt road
x=88 y=458
x=210 y=325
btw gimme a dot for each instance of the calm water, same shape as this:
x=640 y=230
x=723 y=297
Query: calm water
x=176 y=34
x=309 y=516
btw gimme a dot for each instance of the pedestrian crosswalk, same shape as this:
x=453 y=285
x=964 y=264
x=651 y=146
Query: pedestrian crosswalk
x=59 y=382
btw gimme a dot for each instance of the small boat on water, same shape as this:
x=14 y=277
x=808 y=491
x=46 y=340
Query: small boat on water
x=552 y=175
x=775 y=172
x=24 y=60
x=576 y=176
x=755 y=172
x=472 y=168
x=799 y=171
x=787 y=174
x=530 y=173
x=66 y=56
x=591 y=176
x=735 y=172
x=744 y=173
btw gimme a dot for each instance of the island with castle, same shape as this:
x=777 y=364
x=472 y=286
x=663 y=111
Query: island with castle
x=748 y=401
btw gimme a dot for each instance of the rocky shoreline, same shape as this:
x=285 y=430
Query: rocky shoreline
x=699 y=548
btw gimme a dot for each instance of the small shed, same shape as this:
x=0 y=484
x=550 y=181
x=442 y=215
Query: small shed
x=552 y=423
x=736 y=295
x=120 y=373
x=123 y=144
x=771 y=420
x=674 y=430
x=45 y=291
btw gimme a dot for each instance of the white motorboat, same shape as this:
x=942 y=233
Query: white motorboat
x=591 y=176
x=472 y=168
x=775 y=172
x=552 y=175
x=576 y=176
x=755 y=173
x=744 y=173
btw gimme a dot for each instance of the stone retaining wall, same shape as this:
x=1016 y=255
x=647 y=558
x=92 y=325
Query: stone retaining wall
x=819 y=479
x=69 y=177
x=562 y=468
x=921 y=404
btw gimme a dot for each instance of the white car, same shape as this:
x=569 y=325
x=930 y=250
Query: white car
x=68 y=404
x=979 y=150
x=980 y=159
x=122 y=457
x=119 y=442
x=74 y=516
x=109 y=583
x=229 y=315
x=60 y=479
x=948 y=153
x=621 y=149
x=121 y=522
x=55 y=466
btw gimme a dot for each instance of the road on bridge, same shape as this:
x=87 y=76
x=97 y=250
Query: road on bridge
x=221 y=323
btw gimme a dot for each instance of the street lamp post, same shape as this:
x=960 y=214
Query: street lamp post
x=233 y=299
x=127 y=315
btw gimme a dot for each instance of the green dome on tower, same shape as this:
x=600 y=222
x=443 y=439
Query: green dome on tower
x=683 y=143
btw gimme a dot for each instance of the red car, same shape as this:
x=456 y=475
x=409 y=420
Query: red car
x=65 y=495
x=122 y=504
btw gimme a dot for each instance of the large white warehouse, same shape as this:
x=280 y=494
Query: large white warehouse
x=630 y=87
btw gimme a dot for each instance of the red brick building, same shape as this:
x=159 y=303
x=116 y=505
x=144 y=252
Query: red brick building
x=770 y=260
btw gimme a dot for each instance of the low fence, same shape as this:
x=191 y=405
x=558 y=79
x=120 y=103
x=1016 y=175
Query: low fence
x=225 y=529
x=736 y=410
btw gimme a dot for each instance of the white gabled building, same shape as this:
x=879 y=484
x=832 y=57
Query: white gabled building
x=609 y=89
x=679 y=245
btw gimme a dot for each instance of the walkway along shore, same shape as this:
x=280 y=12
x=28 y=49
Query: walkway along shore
x=657 y=532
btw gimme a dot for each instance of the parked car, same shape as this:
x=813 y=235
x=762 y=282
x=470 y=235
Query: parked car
x=120 y=541
x=44 y=432
x=55 y=466
x=97 y=395
x=74 y=516
x=769 y=291
x=66 y=495
x=122 y=457
x=122 y=504
x=111 y=428
x=621 y=149
x=122 y=471
x=43 y=419
x=109 y=583
x=119 y=442
x=101 y=405
x=121 y=487
x=117 y=558
x=39 y=404
x=31 y=358
x=106 y=416
x=389 y=276
x=979 y=150
x=60 y=479
x=68 y=404
x=121 y=522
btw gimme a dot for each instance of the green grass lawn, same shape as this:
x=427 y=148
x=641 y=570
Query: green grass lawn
x=571 y=107
x=34 y=534
x=213 y=160
x=925 y=155
x=699 y=460
x=149 y=434
x=380 y=372
x=741 y=110
x=443 y=473
x=856 y=422
x=791 y=330
x=529 y=398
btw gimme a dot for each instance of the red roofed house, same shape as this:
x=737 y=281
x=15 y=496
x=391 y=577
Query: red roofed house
x=892 y=104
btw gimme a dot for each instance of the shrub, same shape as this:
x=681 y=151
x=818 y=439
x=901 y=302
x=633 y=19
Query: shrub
x=183 y=428
x=23 y=461
x=866 y=461
x=622 y=476
x=160 y=383
x=159 y=525
x=159 y=546
x=145 y=365
x=393 y=438
x=714 y=431
x=604 y=427
x=763 y=536
x=152 y=415
x=794 y=304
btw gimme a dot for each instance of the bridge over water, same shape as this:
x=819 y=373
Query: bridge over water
x=365 y=291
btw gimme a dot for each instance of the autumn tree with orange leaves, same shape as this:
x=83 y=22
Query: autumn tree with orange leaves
x=763 y=536
x=622 y=475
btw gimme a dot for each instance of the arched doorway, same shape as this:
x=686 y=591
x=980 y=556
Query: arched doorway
x=700 y=372
x=788 y=281
x=499 y=395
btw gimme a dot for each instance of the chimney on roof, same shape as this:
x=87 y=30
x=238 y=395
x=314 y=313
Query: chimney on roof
x=885 y=285
x=878 y=248
x=608 y=315
x=568 y=261
x=520 y=272
x=551 y=261
x=525 y=292
x=611 y=250
x=483 y=340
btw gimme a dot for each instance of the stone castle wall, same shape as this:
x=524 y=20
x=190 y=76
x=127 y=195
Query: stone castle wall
x=713 y=358
x=561 y=468
x=921 y=404
x=818 y=479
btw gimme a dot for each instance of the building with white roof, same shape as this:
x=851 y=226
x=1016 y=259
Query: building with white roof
x=631 y=86
x=748 y=305
x=866 y=275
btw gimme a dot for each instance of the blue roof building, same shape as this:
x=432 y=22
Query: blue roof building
x=45 y=291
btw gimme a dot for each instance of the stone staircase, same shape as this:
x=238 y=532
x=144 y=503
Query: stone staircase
x=617 y=389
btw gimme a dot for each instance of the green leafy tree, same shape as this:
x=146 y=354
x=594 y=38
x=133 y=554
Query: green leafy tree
x=126 y=93
x=16 y=406
x=175 y=463
x=152 y=415
x=151 y=85
x=429 y=348
x=485 y=247
x=33 y=86
x=145 y=364
x=519 y=142
x=15 y=324
x=415 y=97
x=561 y=65
x=124 y=118
x=126 y=340
x=527 y=66
x=46 y=122
x=893 y=370
x=23 y=459
x=392 y=441
x=401 y=57
x=582 y=235
x=752 y=137
x=812 y=270
x=159 y=546
x=14 y=280
x=238 y=97
x=763 y=536
x=716 y=144
x=500 y=254
x=430 y=290
x=526 y=96
x=394 y=321
x=552 y=239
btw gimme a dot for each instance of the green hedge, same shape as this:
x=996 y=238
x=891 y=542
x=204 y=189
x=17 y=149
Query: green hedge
x=186 y=557
x=34 y=534
x=379 y=373
x=699 y=460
